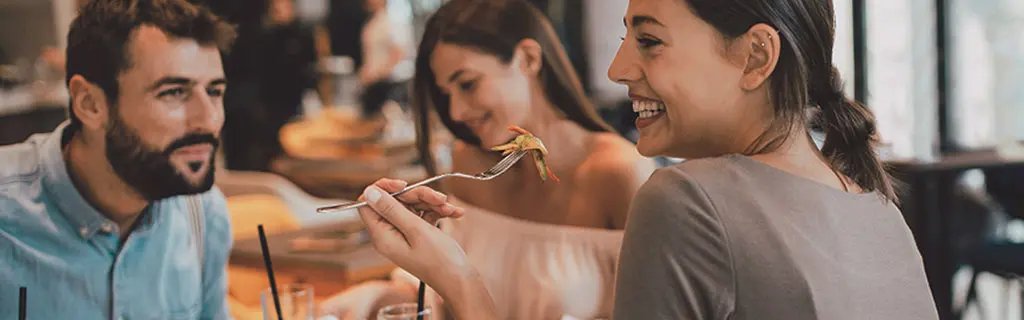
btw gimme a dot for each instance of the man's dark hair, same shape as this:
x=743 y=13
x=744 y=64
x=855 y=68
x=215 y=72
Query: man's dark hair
x=98 y=39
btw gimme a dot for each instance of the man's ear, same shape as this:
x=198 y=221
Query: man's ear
x=88 y=103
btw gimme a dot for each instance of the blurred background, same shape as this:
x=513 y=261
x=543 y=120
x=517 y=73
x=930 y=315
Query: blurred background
x=313 y=114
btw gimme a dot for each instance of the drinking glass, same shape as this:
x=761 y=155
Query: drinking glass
x=402 y=311
x=296 y=302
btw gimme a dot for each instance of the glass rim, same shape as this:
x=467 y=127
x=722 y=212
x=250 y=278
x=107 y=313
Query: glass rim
x=407 y=308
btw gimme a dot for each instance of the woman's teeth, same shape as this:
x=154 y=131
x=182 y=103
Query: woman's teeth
x=648 y=108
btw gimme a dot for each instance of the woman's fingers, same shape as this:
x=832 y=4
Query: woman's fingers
x=395 y=212
x=394 y=223
x=391 y=185
x=414 y=196
x=421 y=198
x=381 y=231
x=424 y=195
x=438 y=212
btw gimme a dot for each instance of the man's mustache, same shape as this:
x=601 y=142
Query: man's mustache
x=190 y=140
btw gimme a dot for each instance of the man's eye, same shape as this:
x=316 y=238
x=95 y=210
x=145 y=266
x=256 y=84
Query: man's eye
x=215 y=92
x=175 y=92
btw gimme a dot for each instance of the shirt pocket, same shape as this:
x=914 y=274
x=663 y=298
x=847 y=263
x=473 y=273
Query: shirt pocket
x=184 y=287
x=190 y=312
x=181 y=300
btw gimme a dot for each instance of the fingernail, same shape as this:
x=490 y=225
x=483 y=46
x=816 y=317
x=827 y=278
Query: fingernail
x=372 y=194
x=441 y=195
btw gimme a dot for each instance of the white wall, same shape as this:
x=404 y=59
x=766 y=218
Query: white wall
x=603 y=23
x=63 y=12
x=842 y=52
x=987 y=71
x=901 y=76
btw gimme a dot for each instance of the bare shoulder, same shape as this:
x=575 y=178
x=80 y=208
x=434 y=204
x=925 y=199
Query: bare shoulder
x=613 y=172
x=615 y=159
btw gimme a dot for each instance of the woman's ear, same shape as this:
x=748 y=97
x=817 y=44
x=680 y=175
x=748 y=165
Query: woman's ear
x=530 y=56
x=760 y=48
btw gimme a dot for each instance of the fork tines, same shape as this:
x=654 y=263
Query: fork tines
x=507 y=162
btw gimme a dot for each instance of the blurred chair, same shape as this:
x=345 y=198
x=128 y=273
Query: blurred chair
x=1003 y=259
x=1004 y=196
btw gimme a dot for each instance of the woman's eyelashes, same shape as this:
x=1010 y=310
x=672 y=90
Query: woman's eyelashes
x=647 y=42
x=467 y=85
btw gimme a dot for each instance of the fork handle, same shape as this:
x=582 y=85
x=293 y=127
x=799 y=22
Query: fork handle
x=360 y=204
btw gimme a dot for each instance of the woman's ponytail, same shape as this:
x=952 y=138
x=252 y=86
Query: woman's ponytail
x=850 y=136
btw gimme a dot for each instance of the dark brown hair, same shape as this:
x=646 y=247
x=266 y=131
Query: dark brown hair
x=806 y=76
x=495 y=27
x=98 y=38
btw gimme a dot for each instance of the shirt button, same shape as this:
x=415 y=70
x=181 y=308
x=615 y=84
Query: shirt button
x=107 y=228
x=84 y=231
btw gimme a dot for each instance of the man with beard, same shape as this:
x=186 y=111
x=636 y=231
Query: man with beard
x=112 y=216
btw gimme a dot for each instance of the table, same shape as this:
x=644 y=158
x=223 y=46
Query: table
x=329 y=271
x=336 y=154
x=927 y=207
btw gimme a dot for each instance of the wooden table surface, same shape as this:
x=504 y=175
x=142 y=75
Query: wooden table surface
x=330 y=271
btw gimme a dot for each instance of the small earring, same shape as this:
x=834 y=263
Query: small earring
x=762 y=44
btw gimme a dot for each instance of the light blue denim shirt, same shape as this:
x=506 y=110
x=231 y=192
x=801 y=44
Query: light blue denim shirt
x=70 y=258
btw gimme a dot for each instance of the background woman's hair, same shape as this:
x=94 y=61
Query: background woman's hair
x=495 y=27
x=805 y=76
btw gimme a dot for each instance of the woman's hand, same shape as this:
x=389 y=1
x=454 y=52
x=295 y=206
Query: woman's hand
x=422 y=249
x=414 y=243
x=425 y=202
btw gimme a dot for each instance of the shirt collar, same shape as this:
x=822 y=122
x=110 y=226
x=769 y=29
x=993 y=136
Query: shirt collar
x=86 y=220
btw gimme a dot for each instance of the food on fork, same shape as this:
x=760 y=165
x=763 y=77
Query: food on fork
x=528 y=142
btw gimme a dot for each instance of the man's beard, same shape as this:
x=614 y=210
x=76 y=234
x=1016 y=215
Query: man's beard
x=149 y=171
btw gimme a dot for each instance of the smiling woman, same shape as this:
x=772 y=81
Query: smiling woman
x=466 y=40
x=482 y=67
x=758 y=223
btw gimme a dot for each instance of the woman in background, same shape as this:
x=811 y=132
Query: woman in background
x=385 y=44
x=546 y=249
x=759 y=223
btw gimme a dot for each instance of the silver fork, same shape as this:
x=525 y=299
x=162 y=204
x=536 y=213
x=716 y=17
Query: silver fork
x=495 y=171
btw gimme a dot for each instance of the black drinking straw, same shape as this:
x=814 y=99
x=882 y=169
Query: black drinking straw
x=419 y=301
x=22 y=297
x=270 y=271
